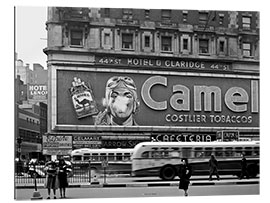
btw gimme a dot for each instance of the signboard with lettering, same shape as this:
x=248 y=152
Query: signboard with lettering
x=86 y=141
x=182 y=64
x=37 y=92
x=144 y=98
x=57 y=144
x=228 y=135
x=184 y=137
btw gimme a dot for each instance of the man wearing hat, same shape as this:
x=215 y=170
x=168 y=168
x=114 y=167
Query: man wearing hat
x=121 y=102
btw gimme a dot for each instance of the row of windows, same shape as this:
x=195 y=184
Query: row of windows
x=29 y=136
x=34 y=121
x=166 y=15
x=166 y=43
x=200 y=152
x=102 y=156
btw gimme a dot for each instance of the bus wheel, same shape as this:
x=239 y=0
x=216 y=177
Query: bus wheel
x=167 y=172
x=253 y=170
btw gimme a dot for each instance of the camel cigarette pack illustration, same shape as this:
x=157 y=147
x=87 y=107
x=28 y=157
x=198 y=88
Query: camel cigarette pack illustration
x=82 y=98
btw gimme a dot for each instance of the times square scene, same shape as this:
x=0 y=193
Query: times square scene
x=138 y=103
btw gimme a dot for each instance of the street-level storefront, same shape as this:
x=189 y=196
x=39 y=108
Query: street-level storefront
x=165 y=99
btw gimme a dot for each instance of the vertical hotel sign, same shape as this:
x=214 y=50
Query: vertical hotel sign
x=57 y=144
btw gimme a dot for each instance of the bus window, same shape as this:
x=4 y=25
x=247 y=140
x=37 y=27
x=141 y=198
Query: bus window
x=77 y=158
x=208 y=151
x=86 y=156
x=228 y=151
x=218 y=152
x=95 y=157
x=103 y=156
x=126 y=156
x=173 y=154
x=119 y=156
x=111 y=157
x=238 y=151
x=145 y=155
x=198 y=153
x=256 y=151
x=164 y=154
x=186 y=152
x=248 y=151
x=155 y=154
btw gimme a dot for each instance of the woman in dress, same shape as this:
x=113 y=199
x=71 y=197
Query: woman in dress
x=62 y=177
x=184 y=174
x=51 y=178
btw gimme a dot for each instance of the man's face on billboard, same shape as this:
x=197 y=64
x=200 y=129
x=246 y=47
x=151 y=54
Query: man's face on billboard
x=121 y=103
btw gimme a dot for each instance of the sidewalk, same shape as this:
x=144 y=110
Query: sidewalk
x=193 y=182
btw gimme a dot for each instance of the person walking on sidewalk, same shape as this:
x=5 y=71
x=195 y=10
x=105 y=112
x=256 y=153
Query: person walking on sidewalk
x=244 y=171
x=184 y=174
x=51 y=181
x=62 y=177
x=213 y=167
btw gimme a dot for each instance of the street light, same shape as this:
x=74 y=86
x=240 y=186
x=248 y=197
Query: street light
x=19 y=167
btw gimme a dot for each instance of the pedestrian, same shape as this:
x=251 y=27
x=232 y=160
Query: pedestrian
x=184 y=174
x=51 y=182
x=213 y=167
x=62 y=177
x=244 y=171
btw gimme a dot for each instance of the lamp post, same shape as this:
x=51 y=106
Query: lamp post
x=19 y=142
x=36 y=194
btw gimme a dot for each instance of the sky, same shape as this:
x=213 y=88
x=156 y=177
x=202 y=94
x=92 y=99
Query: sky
x=31 y=34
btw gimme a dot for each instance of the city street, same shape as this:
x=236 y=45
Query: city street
x=115 y=187
x=73 y=193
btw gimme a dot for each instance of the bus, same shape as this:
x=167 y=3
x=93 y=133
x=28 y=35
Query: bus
x=163 y=159
x=116 y=160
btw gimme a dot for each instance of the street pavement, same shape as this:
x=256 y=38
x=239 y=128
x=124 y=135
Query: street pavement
x=142 y=187
x=158 y=191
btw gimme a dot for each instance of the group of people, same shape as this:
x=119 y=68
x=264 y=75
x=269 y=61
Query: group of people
x=57 y=177
x=185 y=171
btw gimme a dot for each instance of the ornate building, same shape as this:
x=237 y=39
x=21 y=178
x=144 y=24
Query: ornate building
x=196 y=73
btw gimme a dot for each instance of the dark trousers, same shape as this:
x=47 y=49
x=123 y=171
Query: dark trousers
x=212 y=172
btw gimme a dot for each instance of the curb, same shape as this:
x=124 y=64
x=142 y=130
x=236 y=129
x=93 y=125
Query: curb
x=117 y=185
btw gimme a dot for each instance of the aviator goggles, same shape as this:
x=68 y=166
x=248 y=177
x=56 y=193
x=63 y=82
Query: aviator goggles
x=115 y=81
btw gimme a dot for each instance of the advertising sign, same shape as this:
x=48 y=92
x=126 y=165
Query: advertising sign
x=183 y=64
x=184 y=137
x=57 y=144
x=160 y=99
x=86 y=141
x=37 y=91
x=82 y=98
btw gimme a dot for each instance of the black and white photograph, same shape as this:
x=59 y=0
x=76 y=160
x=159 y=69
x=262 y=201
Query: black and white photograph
x=136 y=102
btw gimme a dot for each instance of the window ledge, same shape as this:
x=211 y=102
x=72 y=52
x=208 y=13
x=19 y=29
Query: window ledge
x=75 y=46
x=204 y=54
x=248 y=57
x=125 y=49
x=166 y=52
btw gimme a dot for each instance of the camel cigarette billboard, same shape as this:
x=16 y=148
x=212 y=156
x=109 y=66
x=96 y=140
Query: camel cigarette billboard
x=145 y=98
